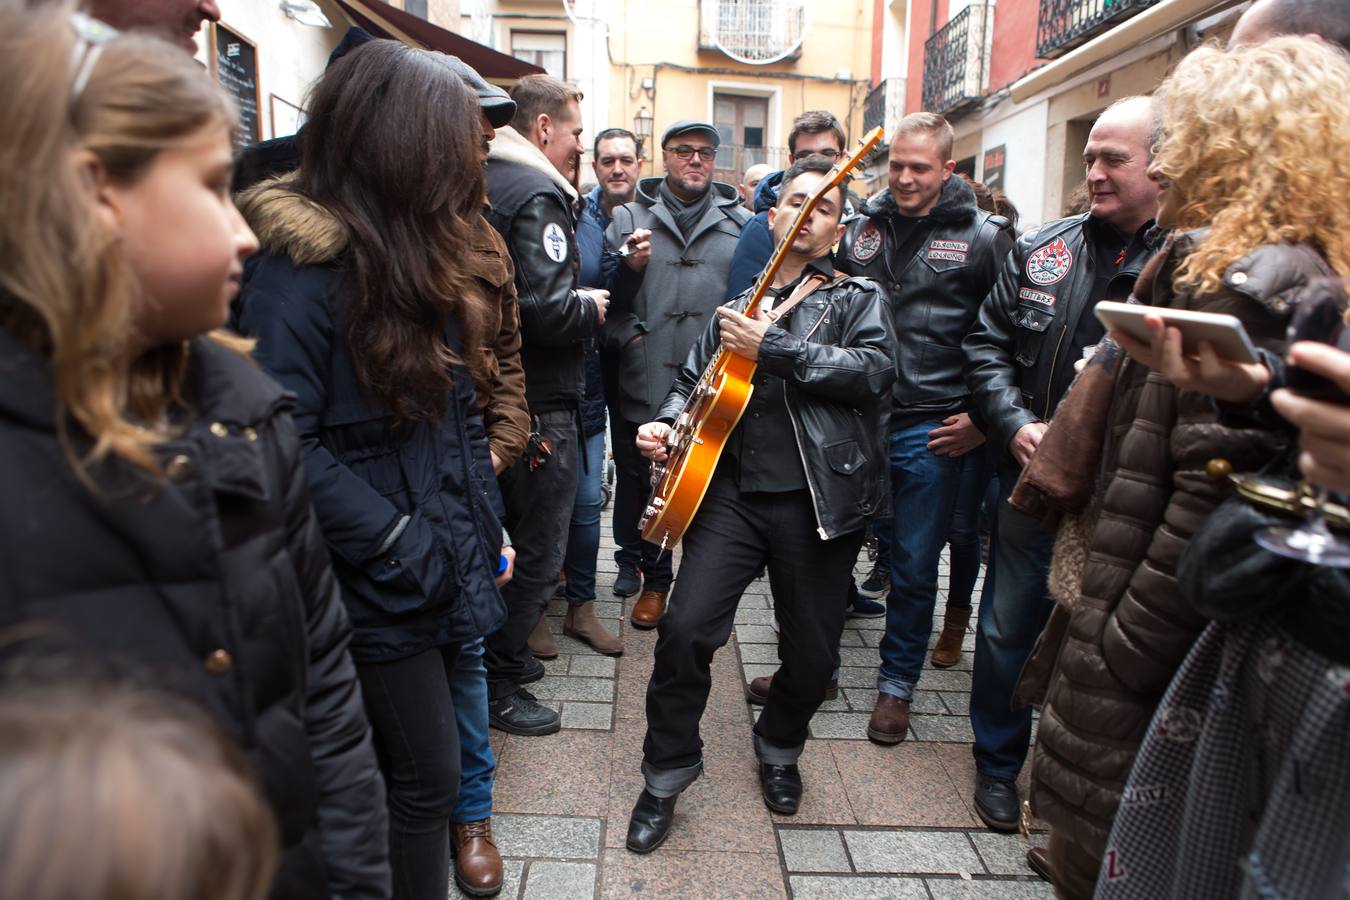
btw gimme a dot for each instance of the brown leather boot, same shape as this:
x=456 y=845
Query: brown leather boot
x=890 y=720
x=649 y=609
x=947 y=650
x=581 y=623
x=478 y=865
x=757 y=691
x=541 y=642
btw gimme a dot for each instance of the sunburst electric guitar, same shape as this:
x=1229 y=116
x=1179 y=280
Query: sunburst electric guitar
x=719 y=399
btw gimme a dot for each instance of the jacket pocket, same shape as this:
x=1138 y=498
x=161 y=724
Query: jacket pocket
x=845 y=457
x=633 y=378
x=1031 y=322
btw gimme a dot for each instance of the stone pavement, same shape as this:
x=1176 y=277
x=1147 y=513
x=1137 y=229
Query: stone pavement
x=875 y=822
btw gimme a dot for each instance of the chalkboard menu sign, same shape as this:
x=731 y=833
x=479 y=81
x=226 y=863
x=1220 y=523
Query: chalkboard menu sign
x=234 y=61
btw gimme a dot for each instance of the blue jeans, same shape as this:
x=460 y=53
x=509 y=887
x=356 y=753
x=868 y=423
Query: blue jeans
x=468 y=690
x=924 y=488
x=964 y=536
x=1014 y=607
x=583 y=538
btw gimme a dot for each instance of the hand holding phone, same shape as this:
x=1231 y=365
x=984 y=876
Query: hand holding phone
x=1232 y=374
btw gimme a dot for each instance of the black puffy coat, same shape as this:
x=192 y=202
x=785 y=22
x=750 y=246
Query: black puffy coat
x=835 y=354
x=433 y=586
x=214 y=583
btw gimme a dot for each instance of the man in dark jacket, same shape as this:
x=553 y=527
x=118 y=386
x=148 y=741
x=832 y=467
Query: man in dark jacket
x=937 y=255
x=814 y=131
x=664 y=296
x=1032 y=328
x=529 y=173
x=801 y=474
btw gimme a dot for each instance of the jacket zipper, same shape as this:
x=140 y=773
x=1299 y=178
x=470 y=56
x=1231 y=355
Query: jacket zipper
x=1054 y=361
x=797 y=433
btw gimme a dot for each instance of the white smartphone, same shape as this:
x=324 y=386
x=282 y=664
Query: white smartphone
x=1222 y=332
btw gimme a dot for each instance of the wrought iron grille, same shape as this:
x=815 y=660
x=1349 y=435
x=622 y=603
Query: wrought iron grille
x=954 y=61
x=1064 y=24
x=885 y=105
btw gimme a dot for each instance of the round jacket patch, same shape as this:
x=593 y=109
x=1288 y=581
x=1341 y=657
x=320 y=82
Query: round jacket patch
x=1050 y=263
x=555 y=242
x=866 y=244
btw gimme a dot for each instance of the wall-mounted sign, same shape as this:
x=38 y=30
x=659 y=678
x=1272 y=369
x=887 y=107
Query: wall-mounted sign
x=234 y=63
x=993 y=167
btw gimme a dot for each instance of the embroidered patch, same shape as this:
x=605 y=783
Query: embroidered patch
x=1050 y=263
x=1180 y=723
x=1040 y=297
x=555 y=242
x=1143 y=795
x=866 y=244
x=948 y=251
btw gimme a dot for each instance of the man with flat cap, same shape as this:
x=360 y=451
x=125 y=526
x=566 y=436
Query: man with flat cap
x=662 y=300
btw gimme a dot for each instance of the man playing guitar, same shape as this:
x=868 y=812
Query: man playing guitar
x=801 y=474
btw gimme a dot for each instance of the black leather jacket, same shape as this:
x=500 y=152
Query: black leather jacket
x=1026 y=325
x=836 y=356
x=936 y=278
x=536 y=220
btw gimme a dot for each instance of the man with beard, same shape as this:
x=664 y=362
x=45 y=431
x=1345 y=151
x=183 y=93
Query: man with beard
x=801 y=473
x=529 y=185
x=664 y=298
x=1020 y=358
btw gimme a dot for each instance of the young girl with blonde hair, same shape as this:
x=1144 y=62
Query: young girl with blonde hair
x=154 y=512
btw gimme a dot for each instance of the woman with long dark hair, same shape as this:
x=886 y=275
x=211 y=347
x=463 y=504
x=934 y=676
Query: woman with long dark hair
x=362 y=307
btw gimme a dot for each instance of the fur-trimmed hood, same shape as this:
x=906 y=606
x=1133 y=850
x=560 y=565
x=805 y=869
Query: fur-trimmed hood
x=511 y=146
x=956 y=203
x=287 y=222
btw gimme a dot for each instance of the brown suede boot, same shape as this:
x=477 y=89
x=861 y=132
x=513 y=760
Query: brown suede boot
x=947 y=650
x=541 y=642
x=890 y=720
x=581 y=623
x=478 y=865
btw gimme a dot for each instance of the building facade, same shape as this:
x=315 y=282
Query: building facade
x=1023 y=80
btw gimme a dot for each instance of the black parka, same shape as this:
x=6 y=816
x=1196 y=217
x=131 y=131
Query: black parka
x=412 y=584
x=213 y=582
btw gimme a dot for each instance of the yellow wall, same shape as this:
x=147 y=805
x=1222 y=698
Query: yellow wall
x=658 y=40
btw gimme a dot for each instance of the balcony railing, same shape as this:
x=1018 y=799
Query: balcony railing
x=1064 y=24
x=885 y=106
x=956 y=61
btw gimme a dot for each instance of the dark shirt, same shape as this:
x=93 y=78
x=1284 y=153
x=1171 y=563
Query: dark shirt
x=762 y=453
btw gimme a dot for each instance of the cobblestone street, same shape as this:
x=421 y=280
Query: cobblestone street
x=875 y=822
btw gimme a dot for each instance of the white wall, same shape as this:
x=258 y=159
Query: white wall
x=1023 y=133
x=290 y=55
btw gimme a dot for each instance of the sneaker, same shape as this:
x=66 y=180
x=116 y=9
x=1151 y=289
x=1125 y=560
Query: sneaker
x=628 y=583
x=521 y=713
x=877 y=584
x=859 y=607
x=534 y=670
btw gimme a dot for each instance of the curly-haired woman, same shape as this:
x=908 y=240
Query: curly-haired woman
x=1256 y=192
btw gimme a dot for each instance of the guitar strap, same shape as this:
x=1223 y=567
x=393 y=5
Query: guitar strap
x=804 y=290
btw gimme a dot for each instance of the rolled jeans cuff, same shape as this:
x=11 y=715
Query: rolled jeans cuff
x=665 y=783
x=902 y=689
x=773 y=755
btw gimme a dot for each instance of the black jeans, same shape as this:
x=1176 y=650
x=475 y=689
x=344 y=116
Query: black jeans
x=632 y=487
x=413 y=720
x=731 y=539
x=538 y=510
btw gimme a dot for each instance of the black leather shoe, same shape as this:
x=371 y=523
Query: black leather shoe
x=996 y=803
x=782 y=787
x=649 y=825
x=534 y=671
x=628 y=583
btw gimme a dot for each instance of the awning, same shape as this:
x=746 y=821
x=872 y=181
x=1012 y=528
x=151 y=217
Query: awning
x=383 y=20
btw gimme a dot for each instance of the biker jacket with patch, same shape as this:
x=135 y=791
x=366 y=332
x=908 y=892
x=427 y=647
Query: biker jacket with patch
x=836 y=355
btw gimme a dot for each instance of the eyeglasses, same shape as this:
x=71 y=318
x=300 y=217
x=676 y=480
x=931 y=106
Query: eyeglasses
x=92 y=35
x=684 y=151
x=828 y=153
